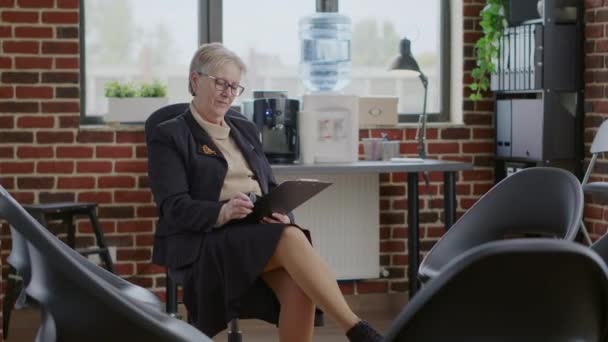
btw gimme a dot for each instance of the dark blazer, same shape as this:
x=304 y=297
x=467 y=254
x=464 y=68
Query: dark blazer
x=187 y=171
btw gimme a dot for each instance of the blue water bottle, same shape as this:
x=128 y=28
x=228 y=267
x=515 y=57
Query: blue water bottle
x=325 y=37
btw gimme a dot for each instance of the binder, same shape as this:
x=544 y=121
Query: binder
x=511 y=60
x=538 y=57
x=503 y=128
x=519 y=61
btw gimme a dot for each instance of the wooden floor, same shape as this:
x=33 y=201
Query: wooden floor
x=378 y=309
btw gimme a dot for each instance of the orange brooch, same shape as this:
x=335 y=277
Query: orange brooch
x=207 y=150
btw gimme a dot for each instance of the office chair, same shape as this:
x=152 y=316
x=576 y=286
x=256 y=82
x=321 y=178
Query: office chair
x=18 y=259
x=596 y=190
x=512 y=290
x=175 y=277
x=66 y=212
x=78 y=300
x=601 y=247
x=537 y=201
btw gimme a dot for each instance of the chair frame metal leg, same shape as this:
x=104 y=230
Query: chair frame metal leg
x=586 y=233
x=583 y=182
x=10 y=298
x=234 y=333
x=171 y=297
x=101 y=241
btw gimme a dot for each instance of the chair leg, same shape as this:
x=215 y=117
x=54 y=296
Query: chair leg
x=9 y=299
x=48 y=329
x=585 y=233
x=101 y=241
x=234 y=333
x=171 y=297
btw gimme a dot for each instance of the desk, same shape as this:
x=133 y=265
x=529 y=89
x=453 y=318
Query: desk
x=373 y=168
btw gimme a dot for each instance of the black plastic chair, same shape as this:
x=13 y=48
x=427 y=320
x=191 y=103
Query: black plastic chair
x=78 y=300
x=161 y=115
x=66 y=212
x=596 y=190
x=601 y=247
x=18 y=259
x=174 y=277
x=516 y=290
x=537 y=202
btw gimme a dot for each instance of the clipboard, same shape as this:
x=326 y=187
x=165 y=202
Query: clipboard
x=286 y=197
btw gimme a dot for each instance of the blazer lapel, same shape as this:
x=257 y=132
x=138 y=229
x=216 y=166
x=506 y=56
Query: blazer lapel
x=206 y=146
x=248 y=151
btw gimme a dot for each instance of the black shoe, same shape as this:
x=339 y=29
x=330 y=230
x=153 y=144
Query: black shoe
x=363 y=332
x=319 y=318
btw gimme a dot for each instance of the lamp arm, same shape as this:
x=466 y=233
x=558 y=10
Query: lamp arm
x=422 y=120
x=423 y=79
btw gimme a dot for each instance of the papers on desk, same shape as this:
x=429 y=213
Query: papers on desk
x=407 y=160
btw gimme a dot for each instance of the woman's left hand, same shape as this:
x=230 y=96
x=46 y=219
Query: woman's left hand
x=277 y=218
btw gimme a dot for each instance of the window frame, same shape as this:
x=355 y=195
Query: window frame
x=210 y=30
x=203 y=37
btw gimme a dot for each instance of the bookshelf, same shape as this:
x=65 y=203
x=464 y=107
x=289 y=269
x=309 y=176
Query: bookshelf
x=539 y=88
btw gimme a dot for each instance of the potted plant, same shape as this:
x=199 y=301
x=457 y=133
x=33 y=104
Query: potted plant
x=130 y=103
x=493 y=21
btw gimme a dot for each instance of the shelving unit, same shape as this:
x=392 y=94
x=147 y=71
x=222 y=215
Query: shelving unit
x=539 y=88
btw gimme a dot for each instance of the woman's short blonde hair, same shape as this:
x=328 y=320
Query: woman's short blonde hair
x=211 y=57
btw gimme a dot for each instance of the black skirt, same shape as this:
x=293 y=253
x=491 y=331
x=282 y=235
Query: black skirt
x=225 y=282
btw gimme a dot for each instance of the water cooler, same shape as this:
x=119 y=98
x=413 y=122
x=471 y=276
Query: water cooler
x=328 y=121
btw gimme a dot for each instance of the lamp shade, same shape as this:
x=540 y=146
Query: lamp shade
x=405 y=60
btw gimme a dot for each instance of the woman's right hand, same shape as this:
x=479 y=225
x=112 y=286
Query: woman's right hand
x=238 y=207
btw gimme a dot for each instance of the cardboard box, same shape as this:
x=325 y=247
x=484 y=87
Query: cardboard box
x=377 y=111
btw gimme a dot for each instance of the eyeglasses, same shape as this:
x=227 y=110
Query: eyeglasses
x=222 y=84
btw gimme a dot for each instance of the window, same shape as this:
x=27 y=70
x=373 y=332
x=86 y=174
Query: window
x=135 y=40
x=267 y=39
x=143 y=40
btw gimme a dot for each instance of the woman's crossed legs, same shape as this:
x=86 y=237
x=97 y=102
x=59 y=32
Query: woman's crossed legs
x=300 y=278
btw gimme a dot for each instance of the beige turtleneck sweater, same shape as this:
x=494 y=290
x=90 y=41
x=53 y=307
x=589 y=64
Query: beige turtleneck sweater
x=239 y=177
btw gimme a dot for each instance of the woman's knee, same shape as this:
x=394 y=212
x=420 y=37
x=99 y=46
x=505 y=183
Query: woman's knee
x=294 y=234
x=292 y=238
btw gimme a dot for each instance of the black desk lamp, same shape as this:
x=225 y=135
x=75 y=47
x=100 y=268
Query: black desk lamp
x=405 y=61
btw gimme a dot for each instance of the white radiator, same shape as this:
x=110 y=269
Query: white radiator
x=344 y=223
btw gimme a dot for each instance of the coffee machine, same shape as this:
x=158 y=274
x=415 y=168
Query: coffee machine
x=277 y=120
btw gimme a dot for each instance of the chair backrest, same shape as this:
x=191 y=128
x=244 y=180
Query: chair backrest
x=163 y=114
x=600 y=141
x=512 y=290
x=599 y=145
x=81 y=301
x=535 y=201
x=171 y=111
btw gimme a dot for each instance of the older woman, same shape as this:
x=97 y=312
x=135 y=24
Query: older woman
x=202 y=165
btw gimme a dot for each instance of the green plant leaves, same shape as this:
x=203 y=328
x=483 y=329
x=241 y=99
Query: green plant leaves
x=155 y=89
x=492 y=24
x=117 y=89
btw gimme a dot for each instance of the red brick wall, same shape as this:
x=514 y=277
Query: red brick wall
x=596 y=91
x=45 y=155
